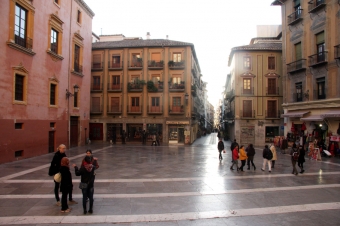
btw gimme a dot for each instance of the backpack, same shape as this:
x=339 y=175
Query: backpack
x=269 y=155
x=295 y=155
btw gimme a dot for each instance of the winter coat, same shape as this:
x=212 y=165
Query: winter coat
x=87 y=174
x=220 y=146
x=273 y=149
x=264 y=153
x=243 y=154
x=235 y=154
x=55 y=164
x=250 y=151
x=302 y=156
x=66 y=179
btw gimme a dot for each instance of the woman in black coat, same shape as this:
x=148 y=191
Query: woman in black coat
x=301 y=158
x=65 y=184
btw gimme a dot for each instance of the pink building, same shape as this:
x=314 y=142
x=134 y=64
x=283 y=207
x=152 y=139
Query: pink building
x=45 y=71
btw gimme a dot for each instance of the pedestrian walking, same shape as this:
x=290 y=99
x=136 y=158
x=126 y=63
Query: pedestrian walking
x=65 y=184
x=267 y=156
x=123 y=137
x=242 y=157
x=154 y=140
x=273 y=150
x=55 y=168
x=232 y=147
x=294 y=152
x=250 y=154
x=235 y=158
x=220 y=148
x=158 y=139
x=301 y=158
x=144 y=137
x=86 y=172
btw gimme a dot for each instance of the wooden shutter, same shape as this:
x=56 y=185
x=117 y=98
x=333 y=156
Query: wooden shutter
x=156 y=57
x=96 y=104
x=298 y=51
x=115 y=104
x=247 y=108
x=271 y=106
x=272 y=86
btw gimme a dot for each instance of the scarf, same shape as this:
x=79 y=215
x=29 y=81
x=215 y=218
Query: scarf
x=88 y=166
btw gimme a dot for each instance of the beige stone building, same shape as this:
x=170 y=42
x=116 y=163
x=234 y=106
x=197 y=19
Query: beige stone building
x=145 y=84
x=253 y=96
x=311 y=75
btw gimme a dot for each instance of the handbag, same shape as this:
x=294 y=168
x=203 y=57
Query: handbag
x=57 y=177
x=223 y=150
x=82 y=185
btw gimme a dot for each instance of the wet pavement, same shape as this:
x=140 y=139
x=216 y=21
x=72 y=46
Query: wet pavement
x=140 y=185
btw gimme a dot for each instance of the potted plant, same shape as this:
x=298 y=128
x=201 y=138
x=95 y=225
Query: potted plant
x=171 y=63
x=151 y=86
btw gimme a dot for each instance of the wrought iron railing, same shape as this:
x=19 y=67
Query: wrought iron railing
x=114 y=109
x=296 y=65
x=272 y=91
x=247 y=114
x=273 y=114
x=173 y=64
x=114 y=87
x=115 y=66
x=155 y=109
x=176 y=109
x=135 y=64
x=132 y=86
x=247 y=91
x=319 y=95
x=155 y=64
x=96 y=86
x=96 y=109
x=97 y=65
x=318 y=58
x=295 y=16
x=314 y=5
x=134 y=109
x=24 y=42
x=78 y=68
x=177 y=87
x=297 y=97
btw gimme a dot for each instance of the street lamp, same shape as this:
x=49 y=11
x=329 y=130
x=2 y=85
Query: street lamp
x=69 y=94
x=186 y=98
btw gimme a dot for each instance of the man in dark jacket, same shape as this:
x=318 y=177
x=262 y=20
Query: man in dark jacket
x=267 y=158
x=250 y=154
x=55 y=168
x=233 y=145
x=220 y=147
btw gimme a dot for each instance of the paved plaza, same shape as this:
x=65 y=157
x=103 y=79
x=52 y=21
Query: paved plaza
x=180 y=185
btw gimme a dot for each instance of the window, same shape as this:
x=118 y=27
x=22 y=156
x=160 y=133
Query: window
x=321 y=92
x=79 y=16
x=176 y=104
x=156 y=57
x=177 y=57
x=298 y=88
x=115 y=104
x=52 y=124
x=96 y=83
x=135 y=104
x=155 y=104
x=77 y=66
x=136 y=60
x=155 y=78
x=246 y=62
x=55 y=37
x=54 y=41
x=95 y=104
x=272 y=109
x=271 y=133
x=19 y=87
x=21 y=26
x=247 y=108
x=18 y=154
x=134 y=78
x=97 y=61
x=75 y=100
x=320 y=46
x=176 y=79
x=247 y=86
x=116 y=82
x=18 y=125
x=53 y=94
x=297 y=8
x=271 y=63
x=115 y=61
x=272 y=86
x=77 y=58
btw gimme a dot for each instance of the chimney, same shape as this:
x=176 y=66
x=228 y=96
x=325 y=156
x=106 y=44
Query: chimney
x=147 y=35
x=167 y=36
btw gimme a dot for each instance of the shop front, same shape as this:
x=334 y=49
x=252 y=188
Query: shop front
x=134 y=132
x=178 y=132
x=152 y=129
x=114 y=132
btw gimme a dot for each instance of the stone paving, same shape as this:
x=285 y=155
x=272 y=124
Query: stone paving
x=174 y=185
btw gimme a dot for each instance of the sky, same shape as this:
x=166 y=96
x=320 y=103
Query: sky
x=213 y=26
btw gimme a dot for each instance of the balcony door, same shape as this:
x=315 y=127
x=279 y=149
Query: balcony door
x=271 y=86
x=272 y=108
x=247 y=108
x=115 y=104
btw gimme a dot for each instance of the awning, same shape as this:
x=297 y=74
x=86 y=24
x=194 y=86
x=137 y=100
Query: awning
x=316 y=118
x=297 y=114
x=331 y=114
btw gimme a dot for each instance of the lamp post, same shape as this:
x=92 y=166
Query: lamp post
x=68 y=95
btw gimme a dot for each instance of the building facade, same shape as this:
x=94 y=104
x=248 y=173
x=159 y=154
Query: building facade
x=253 y=95
x=151 y=85
x=45 y=76
x=311 y=75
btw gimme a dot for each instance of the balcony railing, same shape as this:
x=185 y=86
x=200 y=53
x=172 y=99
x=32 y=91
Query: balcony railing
x=155 y=65
x=97 y=66
x=135 y=87
x=134 y=109
x=174 y=87
x=176 y=65
x=295 y=17
x=247 y=91
x=229 y=115
x=318 y=58
x=318 y=96
x=135 y=64
x=96 y=109
x=273 y=114
x=54 y=48
x=24 y=42
x=296 y=66
x=78 y=68
x=115 y=66
x=247 y=114
x=155 y=109
x=193 y=90
x=114 y=87
x=96 y=87
x=315 y=5
x=175 y=109
x=272 y=91
x=230 y=94
x=337 y=52
x=297 y=97
x=155 y=87
x=114 y=109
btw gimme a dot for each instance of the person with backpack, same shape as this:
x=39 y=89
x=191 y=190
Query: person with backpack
x=250 y=154
x=301 y=158
x=295 y=156
x=220 y=147
x=267 y=157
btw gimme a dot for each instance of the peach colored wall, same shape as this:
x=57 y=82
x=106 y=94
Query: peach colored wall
x=37 y=114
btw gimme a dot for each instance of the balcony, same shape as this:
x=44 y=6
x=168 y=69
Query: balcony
x=97 y=66
x=78 y=68
x=114 y=110
x=96 y=110
x=319 y=95
x=113 y=66
x=155 y=110
x=135 y=86
x=272 y=91
x=96 y=87
x=176 y=65
x=154 y=87
x=295 y=17
x=318 y=59
x=247 y=91
x=315 y=5
x=247 y=114
x=230 y=94
x=24 y=42
x=114 y=87
x=273 y=114
x=153 y=65
x=134 y=110
x=337 y=52
x=176 y=110
x=174 y=87
x=136 y=64
x=229 y=115
x=193 y=90
x=296 y=66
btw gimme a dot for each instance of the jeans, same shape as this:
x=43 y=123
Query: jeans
x=243 y=163
x=88 y=193
x=235 y=162
x=220 y=155
x=64 y=205
x=250 y=160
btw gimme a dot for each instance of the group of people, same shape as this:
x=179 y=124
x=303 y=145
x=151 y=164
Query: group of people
x=246 y=155
x=61 y=164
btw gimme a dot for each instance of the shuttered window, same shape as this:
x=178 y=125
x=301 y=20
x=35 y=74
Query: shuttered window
x=298 y=51
x=156 y=57
x=247 y=108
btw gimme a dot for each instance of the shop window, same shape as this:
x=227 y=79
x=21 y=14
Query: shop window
x=271 y=133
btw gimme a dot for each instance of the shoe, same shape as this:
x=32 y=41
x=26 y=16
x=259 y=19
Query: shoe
x=231 y=168
x=296 y=174
x=262 y=169
x=85 y=212
x=66 y=211
x=90 y=211
x=72 y=202
x=302 y=171
x=58 y=203
x=269 y=171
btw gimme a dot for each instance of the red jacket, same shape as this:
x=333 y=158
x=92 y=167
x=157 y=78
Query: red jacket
x=235 y=154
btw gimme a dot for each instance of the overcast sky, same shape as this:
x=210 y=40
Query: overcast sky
x=213 y=26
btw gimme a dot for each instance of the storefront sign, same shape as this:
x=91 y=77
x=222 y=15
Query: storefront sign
x=178 y=122
x=335 y=138
x=186 y=133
